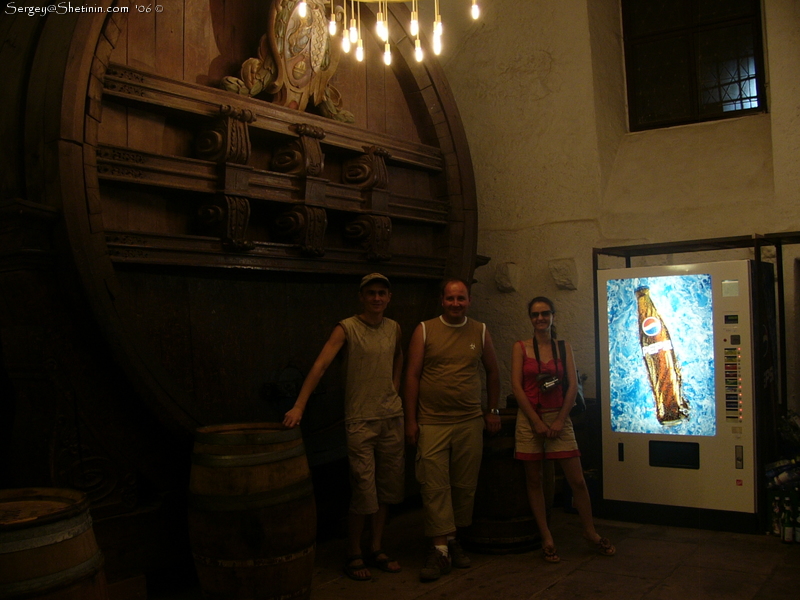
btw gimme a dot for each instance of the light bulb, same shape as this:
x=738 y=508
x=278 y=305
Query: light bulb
x=387 y=54
x=437 y=26
x=302 y=9
x=437 y=44
x=418 y=51
x=345 y=43
x=380 y=28
x=360 y=50
x=332 y=26
x=476 y=10
x=353 y=31
x=414 y=24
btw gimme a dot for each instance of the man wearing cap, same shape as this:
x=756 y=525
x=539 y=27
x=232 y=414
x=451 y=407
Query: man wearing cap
x=373 y=418
x=445 y=420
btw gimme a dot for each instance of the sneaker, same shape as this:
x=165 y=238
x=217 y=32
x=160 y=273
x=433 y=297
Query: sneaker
x=436 y=565
x=458 y=557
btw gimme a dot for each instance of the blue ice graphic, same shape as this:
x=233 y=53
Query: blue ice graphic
x=684 y=303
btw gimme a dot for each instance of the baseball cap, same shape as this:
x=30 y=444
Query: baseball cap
x=372 y=278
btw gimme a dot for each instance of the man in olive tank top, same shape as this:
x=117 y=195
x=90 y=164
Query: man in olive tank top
x=373 y=363
x=444 y=418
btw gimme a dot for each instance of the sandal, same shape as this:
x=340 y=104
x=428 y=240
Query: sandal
x=351 y=569
x=605 y=547
x=550 y=555
x=374 y=560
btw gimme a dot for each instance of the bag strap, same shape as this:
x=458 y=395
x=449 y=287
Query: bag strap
x=562 y=354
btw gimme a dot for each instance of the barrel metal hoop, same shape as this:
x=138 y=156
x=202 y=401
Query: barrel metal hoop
x=249 y=563
x=56 y=580
x=246 y=460
x=246 y=439
x=283 y=495
x=44 y=535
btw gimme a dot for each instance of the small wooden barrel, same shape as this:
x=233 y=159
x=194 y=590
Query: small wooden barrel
x=252 y=517
x=47 y=546
x=502 y=519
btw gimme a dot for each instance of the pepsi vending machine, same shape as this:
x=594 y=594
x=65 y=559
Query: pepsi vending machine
x=677 y=347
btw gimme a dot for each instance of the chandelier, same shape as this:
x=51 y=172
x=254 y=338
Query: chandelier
x=351 y=35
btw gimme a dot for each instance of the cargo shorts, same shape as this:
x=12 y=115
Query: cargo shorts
x=376 y=454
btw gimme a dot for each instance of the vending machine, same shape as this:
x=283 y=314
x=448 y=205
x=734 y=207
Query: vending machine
x=677 y=348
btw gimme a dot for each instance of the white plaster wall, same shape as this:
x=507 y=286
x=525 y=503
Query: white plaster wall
x=540 y=88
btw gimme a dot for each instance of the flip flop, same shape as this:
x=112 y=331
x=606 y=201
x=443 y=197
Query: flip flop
x=382 y=563
x=550 y=555
x=605 y=547
x=351 y=570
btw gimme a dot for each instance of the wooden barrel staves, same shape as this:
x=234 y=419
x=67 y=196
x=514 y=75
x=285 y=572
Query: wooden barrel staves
x=252 y=517
x=47 y=546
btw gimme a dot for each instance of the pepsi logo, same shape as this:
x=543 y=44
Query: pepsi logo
x=651 y=326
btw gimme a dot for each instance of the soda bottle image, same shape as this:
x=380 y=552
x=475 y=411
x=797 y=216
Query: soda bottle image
x=659 y=358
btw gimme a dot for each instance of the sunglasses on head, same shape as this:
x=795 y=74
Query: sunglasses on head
x=544 y=313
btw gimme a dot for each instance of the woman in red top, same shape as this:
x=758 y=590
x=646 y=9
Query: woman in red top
x=545 y=385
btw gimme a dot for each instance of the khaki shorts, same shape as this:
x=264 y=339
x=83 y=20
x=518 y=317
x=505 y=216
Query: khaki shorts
x=375 y=451
x=530 y=445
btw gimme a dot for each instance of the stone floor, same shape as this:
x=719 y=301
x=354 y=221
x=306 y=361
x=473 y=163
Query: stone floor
x=652 y=563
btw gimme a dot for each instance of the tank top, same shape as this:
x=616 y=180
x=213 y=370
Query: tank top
x=450 y=386
x=368 y=363
x=542 y=402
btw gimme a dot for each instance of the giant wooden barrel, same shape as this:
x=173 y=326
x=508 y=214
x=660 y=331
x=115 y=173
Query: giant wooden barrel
x=47 y=546
x=252 y=518
x=175 y=255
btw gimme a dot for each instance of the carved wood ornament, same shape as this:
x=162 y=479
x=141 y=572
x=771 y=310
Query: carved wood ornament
x=373 y=233
x=296 y=59
x=305 y=226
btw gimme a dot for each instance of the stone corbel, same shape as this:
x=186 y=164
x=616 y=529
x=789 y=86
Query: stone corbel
x=373 y=233
x=228 y=138
x=305 y=226
x=369 y=173
x=233 y=213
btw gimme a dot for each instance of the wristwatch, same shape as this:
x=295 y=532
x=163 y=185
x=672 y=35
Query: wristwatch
x=494 y=411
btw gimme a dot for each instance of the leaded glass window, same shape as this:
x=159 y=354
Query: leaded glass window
x=692 y=60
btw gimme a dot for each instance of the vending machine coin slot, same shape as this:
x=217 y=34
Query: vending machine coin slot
x=740 y=457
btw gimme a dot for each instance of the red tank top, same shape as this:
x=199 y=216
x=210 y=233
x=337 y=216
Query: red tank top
x=551 y=400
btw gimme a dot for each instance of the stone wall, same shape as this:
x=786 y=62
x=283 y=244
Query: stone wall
x=540 y=87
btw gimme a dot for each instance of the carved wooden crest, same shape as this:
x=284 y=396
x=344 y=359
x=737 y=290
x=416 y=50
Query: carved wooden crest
x=296 y=59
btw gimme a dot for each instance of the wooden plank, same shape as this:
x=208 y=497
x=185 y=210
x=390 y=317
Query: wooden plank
x=142 y=40
x=113 y=130
x=142 y=88
x=145 y=130
x=126 y=165
x=169 y=40
x=135 y=247
x=119 y=54
x=199 y=47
